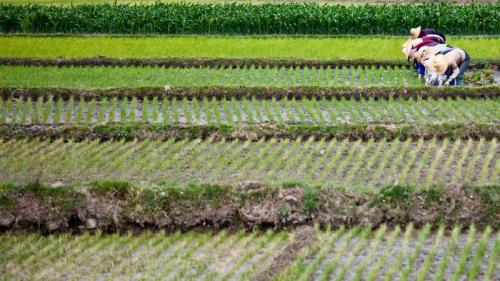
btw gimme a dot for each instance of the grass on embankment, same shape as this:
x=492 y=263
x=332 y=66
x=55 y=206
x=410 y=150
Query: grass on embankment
x=145 y=2
x=243 y=131
x=258 y=92
x=319 y=48
x=114 y=205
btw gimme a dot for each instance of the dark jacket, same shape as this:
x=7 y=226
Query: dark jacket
x=427 y=31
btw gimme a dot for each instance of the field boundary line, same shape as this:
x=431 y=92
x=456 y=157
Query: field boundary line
x=260 y=92
x=253 y=132
x=217 y=62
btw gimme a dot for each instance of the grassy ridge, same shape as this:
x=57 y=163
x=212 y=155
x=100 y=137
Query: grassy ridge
x=268 y=93
x=143 y=2
x=130 y=131
x=478 y=63
x=175 y=206
x=185 y=18
x=348 y=48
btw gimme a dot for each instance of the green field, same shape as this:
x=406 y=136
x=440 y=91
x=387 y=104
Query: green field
x=319 y=48
x=356 y=254
x=179 y=256
x=233 y=19
x=352 y=165
x=220 y=140
x=253 y=111
x=405 y=254
x=133 y=77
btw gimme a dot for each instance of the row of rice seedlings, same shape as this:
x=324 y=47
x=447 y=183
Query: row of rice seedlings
x=375 y=270
x=81 y=256
x=385 y=159
x=217 y=112
x=273 y=243
x=183 y=269
x=344 y=247
x=203 y=263
x=226 y=256
x=165 y=248
x=241 y=256
x=253 y=266
x=397 y=260
x=249 y=253
x=105 y=77
x=492 y=263
x=325 y=153
x=302 y=271
x=172 y=264
x=341 y=273
x=353 y=164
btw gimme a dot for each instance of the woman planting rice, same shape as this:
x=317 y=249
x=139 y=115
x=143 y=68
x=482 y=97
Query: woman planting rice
x=447 y=66
x=421 y=38
x=432 y=58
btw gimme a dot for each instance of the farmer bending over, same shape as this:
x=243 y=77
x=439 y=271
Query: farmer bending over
x=421 y=38
x=446 y=66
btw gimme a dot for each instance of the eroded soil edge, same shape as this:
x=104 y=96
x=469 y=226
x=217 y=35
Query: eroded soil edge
x=303 y=237
x=117 y=206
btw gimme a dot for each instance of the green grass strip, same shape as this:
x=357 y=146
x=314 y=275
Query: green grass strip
x=130 y=131
x=312 y=48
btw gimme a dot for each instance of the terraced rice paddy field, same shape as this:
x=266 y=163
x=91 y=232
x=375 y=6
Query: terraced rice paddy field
x=184 y=141
x=401 y=253
x=337 y=163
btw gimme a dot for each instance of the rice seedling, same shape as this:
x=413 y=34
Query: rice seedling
x=79 y=112
x=90 y=111
x=132 y=110
x=340 y=275
x=227 y=112
x=17 y=111
x=101 y=115
x=165 y=113
x=331 y=265
x=155 y=110
x=471 y=167
x=145 y=110
x=480 y=252
x=464 y=254
x=123 y=110
x=36 y=113
x=421 y=163
x=492 y=261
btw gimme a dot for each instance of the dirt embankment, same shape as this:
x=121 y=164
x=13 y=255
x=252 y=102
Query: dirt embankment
x=215 y=62
x=264 y=92
x=117 y=206
x=245 y=131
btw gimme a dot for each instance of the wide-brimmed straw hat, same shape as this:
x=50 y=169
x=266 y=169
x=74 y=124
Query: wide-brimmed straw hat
x=415 y=32
x=440 y=64
x=406 y=47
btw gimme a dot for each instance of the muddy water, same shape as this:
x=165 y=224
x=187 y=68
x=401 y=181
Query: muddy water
x=398 y=250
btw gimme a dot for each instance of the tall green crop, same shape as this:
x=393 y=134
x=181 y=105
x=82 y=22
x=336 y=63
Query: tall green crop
x=289 y=18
